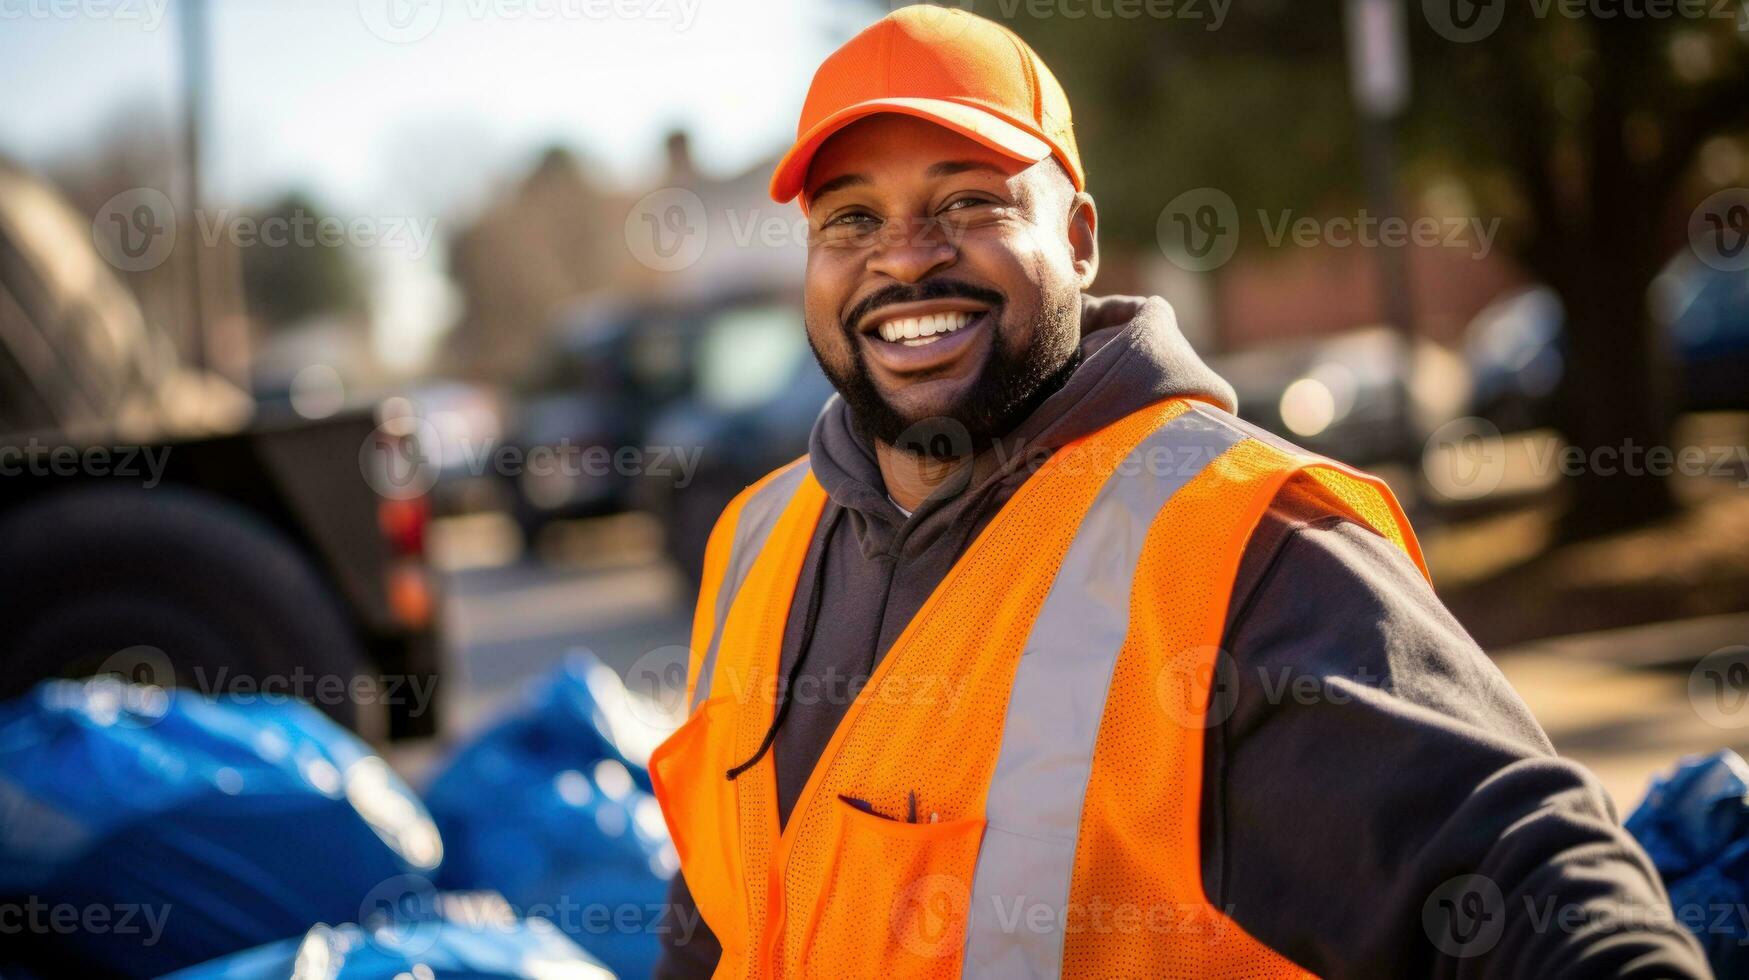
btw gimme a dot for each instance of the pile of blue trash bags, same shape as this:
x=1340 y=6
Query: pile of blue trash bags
x=151 y=832
x=146 y=832
x=1694 y=823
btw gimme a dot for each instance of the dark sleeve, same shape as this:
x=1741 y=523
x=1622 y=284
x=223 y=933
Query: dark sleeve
x=1380 y=802
x=689 y=949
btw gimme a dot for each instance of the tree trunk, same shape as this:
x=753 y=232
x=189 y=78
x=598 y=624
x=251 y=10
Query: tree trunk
x=1614 y=407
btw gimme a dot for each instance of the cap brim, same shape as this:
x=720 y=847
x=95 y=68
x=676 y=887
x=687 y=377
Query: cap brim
x=974 y=123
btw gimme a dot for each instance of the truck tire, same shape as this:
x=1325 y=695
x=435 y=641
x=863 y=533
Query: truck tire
x=99 y=578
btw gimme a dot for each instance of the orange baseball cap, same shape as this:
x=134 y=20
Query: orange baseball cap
x=945 y=65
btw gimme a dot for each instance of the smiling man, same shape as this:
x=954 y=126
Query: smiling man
x=1041 y=662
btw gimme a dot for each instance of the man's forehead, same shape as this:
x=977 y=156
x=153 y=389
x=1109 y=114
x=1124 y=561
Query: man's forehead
x=935 y=171
x=897 y=145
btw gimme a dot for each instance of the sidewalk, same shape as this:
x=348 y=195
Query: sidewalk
x=1620 y=702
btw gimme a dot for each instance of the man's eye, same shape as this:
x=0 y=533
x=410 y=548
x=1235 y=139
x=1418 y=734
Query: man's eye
x=850 y=218
x=960 y=204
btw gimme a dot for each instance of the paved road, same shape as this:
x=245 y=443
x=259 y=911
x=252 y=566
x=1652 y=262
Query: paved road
x=1621 y=702
x=1629 y=702
x=608 y=590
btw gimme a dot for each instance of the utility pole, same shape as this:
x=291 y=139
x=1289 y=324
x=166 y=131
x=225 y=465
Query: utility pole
x=1378 y=72
x=217 y=338
x=192 y=20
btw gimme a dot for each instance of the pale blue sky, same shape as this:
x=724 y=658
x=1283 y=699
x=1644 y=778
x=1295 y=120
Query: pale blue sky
x=418 y=106
x=305 y=91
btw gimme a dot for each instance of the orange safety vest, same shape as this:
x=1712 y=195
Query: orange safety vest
x=1045 y=708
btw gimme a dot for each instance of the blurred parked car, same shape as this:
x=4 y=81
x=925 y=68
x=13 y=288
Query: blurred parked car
x=149 y=525
x=465 y=429
x=1364 y=397
x=1513 y=349
x=1705 y=312
x=1516 y=347
x=759 y=390
x=606 y=371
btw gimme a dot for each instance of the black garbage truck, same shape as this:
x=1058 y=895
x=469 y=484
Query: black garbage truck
x=153 y=523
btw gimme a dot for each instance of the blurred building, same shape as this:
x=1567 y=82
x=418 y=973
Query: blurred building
x=543 y=243
x=1325 y=289
x=558 y=238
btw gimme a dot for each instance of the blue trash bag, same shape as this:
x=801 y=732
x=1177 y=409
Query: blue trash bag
x=1694 y=823
x=192 y=827
x=566 y=720
x=544 y=809
x=451 y=946
x=1695 y=813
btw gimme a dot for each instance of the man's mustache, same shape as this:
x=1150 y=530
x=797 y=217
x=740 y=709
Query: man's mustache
x=928 y=289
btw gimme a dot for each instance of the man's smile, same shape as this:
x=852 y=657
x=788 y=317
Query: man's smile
x=915 y=331
x=924 y=336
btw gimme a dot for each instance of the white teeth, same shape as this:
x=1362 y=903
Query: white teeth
x=915 y=331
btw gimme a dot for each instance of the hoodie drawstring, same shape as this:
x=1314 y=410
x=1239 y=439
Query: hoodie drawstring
x=807 y=644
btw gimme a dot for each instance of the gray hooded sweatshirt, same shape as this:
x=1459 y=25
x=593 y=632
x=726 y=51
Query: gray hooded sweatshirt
x=1370 y=751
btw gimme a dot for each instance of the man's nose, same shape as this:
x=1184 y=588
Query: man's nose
x=908 y=251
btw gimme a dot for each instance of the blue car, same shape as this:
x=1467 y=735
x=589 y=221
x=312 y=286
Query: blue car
x=1516 y=348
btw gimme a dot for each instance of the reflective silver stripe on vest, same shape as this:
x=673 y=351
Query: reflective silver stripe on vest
x=758 y=516
x=1020 y=892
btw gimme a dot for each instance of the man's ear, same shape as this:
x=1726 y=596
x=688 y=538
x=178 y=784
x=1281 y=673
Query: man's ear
x=1084 y=239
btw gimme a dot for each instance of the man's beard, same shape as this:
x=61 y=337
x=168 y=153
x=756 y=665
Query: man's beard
x=1012 y=383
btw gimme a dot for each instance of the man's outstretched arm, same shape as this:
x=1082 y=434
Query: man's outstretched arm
x=1380 y=802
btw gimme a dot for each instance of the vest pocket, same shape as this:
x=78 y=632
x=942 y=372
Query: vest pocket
x=896 y=899
x=699 y=804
